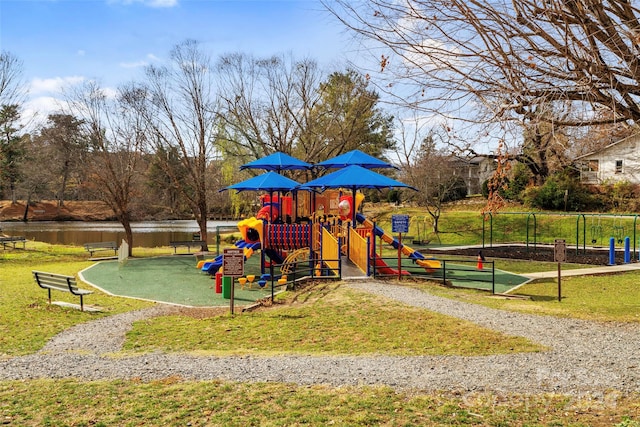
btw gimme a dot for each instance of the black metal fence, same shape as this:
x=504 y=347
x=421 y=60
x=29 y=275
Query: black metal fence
x=452 y=272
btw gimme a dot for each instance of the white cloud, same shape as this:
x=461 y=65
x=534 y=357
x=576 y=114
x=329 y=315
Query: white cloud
x=53 y=85
x=36 y=110
x=143 y=63
x=110 y=92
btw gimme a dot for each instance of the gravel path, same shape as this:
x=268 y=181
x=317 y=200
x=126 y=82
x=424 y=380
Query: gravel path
x=586 y=358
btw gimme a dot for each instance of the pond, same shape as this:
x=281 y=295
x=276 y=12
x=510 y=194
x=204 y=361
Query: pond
x=147 y=234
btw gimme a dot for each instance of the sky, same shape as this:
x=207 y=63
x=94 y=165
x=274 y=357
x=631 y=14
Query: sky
x=65 y=41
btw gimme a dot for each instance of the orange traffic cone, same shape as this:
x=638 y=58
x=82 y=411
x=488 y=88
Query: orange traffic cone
x=480 y=259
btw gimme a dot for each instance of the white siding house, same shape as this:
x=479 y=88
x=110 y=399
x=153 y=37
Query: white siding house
x=619 y=161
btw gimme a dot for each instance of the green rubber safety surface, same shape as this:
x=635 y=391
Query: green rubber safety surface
x=172 y=279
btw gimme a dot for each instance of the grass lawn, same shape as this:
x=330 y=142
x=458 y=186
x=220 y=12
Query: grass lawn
x=27 y=321
x=324 y=319
x=173 y=402
x=607 y=298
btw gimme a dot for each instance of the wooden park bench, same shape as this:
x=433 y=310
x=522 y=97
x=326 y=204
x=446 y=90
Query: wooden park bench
x=59 y=282
x=101 y=246
x=6 y=241
x=186 y=243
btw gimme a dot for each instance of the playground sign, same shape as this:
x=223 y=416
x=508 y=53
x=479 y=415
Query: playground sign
x=233 y=262
x=560 y=250
x=399 y=223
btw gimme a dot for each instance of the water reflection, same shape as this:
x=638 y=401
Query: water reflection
x=145 y=234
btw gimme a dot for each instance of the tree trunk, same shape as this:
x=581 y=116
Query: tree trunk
x=202 y=225
x=25 y=217
x=128 y=234
x=63 y=186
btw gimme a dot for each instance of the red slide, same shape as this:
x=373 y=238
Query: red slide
x=384 y=268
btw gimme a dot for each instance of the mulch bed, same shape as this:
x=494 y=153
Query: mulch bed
x=540 y=253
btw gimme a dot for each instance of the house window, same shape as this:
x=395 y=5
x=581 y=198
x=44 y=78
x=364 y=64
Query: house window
x=618 y=166
x=594 y=165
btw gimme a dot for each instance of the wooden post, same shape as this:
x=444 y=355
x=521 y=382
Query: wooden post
x=559 y=283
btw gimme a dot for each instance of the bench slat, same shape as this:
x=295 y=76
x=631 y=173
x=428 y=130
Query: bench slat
x=60 y=282
x=101 y=246
x=54 y=286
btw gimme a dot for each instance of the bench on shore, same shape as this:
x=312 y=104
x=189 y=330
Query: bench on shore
x=12 y=241
x=186 y=243
x=101 y=246
x=58 y=282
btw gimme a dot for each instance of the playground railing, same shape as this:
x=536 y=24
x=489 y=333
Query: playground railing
x=303 y=270
x=452 y=272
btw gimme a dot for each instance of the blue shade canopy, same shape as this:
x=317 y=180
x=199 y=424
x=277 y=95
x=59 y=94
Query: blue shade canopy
x=355 y=157
x=354 y=177
x=269 y=181
x=277 y=162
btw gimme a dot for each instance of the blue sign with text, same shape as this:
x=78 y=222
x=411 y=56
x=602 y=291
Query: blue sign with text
x=399 y=223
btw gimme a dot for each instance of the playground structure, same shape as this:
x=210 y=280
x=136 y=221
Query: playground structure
x=317 y=229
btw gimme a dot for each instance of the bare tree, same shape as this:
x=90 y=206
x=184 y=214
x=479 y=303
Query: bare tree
x=429 y=169
x=268 y=104
x=283 y=104
x=116 y=138
x=348 y=117
x=12 y=86
x=504 y=59
x=180 y=109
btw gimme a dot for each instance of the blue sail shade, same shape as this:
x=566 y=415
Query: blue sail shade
x=269 y=181
x=277 y=162
x=354 y=176
x=355 y=157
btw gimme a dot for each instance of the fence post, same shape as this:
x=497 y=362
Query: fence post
x=295 y=268
x=493 y=277
x=368 y=250
x=217 y=240
x=271 y=274
x=444 y=272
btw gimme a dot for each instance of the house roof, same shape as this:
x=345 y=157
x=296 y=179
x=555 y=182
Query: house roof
x=607 y=147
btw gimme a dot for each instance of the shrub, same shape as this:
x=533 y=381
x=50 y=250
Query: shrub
x=621 y=196
x=561 y=192
x=514 y=186
x=456 y=189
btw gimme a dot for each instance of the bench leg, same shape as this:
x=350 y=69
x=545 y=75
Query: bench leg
x=49 y=290
x=81 y=303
